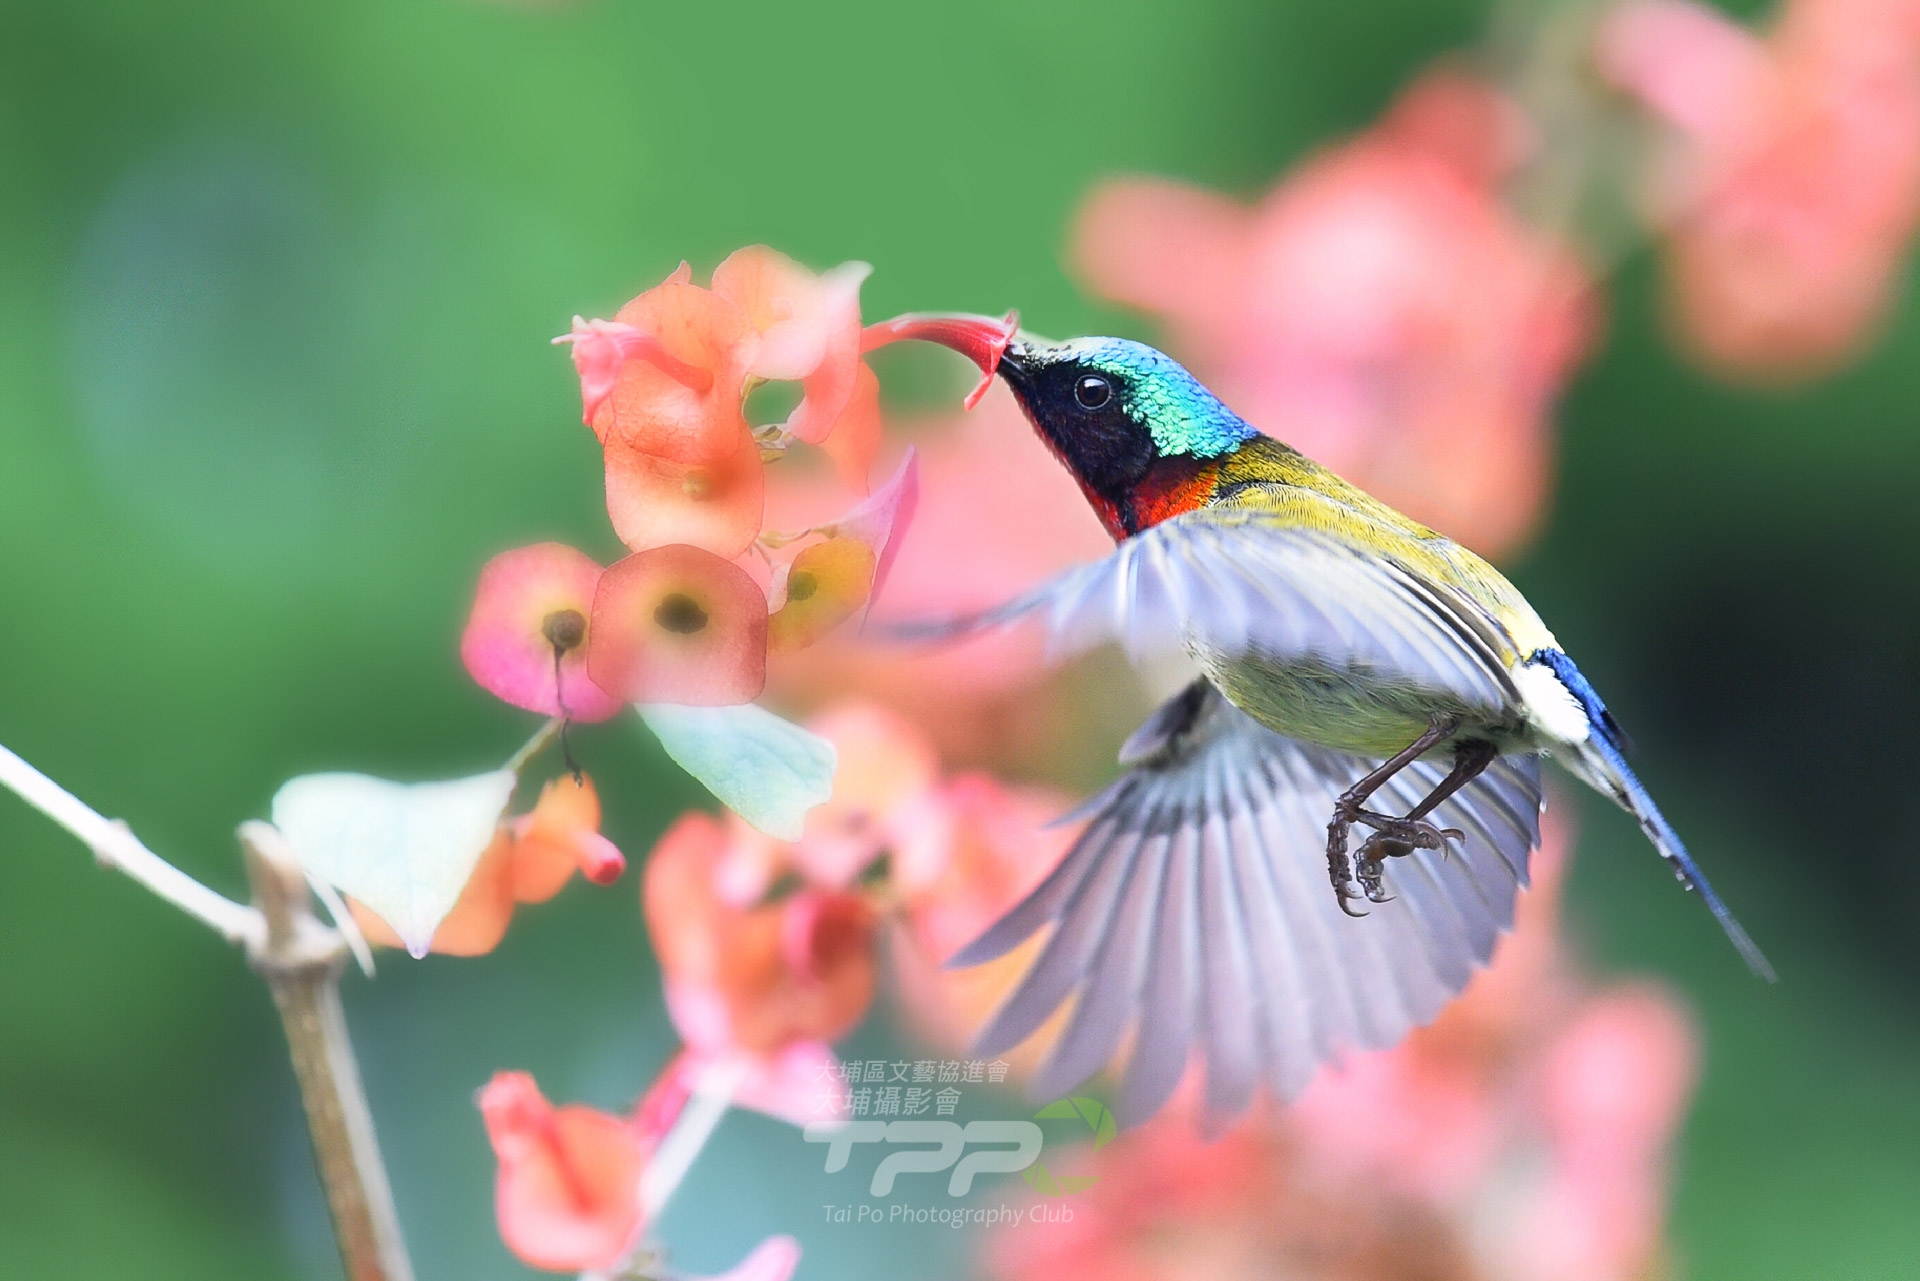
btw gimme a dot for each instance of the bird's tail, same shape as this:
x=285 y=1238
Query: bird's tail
x=1601 y=764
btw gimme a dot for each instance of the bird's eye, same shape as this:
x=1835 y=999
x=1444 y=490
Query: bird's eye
x=1092 y=391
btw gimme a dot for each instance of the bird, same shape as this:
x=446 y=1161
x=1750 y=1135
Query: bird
x=1352 y=671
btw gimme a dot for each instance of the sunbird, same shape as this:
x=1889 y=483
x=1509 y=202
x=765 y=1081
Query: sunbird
x=1356 y=670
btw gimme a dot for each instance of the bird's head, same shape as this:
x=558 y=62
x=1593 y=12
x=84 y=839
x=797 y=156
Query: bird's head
x=1118 y=413
x=1112 y=409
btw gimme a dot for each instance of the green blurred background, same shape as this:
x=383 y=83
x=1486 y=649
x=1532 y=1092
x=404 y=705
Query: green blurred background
x=275 y=288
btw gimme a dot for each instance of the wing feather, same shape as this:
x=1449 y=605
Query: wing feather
x=1241 y=586
x=1194 y=910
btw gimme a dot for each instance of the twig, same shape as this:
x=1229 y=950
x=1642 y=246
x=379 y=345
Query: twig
x=668 y=1165
x=115 y=846
x=676 y=1153
x=542 y=738
x=301 y=959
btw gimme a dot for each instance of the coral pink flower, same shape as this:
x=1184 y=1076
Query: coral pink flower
x=809 y=328
x=981 y=339
x=567 y=1195
x=883 y=783
x=1790 y=184
x=855 y=439
x=1614 y=1089
x=718 y=505
x=687 y=408
x=1380 y=309
x=754 y=977
x=602 y=347
x=559 y=837
x=679 y=625
x=526 y=640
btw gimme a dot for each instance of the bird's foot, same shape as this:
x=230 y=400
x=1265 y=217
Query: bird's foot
x=1395 y=838
x=1340 y=868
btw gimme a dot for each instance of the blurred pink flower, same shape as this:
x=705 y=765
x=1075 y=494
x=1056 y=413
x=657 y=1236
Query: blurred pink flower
x=526 y=639
x=1789 y=181
x=567 y=1194
x=754 y=975
x=1614 y=1090
x=984 y=845
x=1380 y=309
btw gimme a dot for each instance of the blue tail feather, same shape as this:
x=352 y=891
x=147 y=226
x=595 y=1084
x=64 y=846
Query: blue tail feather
x=1667 y=841
x=1606 y=747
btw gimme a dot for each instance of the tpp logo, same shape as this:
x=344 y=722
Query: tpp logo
x=978 y=1147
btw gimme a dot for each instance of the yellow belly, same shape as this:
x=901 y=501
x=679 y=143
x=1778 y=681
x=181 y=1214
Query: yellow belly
x=1349 y=710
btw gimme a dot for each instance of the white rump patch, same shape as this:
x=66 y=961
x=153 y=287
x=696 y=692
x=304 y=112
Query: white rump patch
x=1550 y=705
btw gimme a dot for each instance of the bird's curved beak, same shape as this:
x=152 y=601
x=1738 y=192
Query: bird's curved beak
x=986 y=341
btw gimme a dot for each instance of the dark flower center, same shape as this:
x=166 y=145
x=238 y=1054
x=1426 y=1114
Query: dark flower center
x=802 y=585
x=564 y=628
x=681 y=614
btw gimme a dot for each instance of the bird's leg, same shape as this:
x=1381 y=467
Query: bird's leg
x=1350 y=806
x=1394 y=837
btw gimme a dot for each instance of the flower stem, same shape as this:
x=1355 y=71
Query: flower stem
x=301 y=959
x=676 y=1153
x=541 y=740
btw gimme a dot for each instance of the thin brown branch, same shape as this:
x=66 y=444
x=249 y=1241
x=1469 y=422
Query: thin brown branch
x=301 y=959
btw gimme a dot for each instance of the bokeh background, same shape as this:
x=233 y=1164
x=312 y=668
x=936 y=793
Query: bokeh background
x=275 y=288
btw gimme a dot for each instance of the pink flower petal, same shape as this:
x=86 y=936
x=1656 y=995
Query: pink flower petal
x=718 y=505
x=826 y=584
x=855 y=439
x=531 y=601
x=654 y=411
x=602 y=347
x=1689 y=62
x=567 y=1195
x=677 y=624
x=801 y=317
x=881 y=521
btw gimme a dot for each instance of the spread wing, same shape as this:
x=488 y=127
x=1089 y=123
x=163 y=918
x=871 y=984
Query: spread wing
x=1194 y=912
x=1236 y=580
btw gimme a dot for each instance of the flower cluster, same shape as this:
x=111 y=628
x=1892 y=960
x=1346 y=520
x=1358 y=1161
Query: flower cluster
x=691 y=614
x=769 y=948
x=568 y=1196
x=1788 y=185
x=1524 y=1134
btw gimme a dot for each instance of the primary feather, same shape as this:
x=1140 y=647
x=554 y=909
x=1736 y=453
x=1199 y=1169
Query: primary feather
x=1191 y=917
